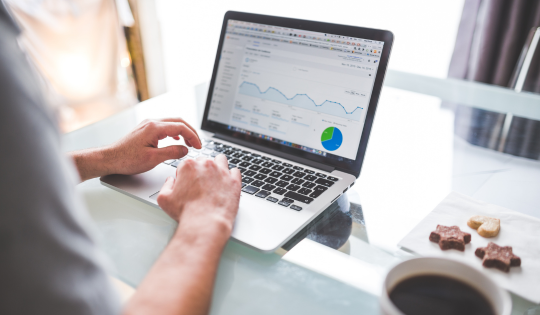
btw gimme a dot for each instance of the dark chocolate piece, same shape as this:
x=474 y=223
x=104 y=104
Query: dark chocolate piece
x=500 y=257
x=450 y=237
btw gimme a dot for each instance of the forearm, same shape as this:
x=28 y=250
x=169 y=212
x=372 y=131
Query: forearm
x=182 y=280
x=91 y=163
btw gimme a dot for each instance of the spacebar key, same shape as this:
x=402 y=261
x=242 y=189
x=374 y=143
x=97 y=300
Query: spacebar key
x=298 y=197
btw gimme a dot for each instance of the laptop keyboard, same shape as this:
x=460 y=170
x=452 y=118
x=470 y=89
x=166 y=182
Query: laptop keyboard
x=267 y=178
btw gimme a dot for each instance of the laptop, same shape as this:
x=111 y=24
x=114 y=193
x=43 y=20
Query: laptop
x=291 y=104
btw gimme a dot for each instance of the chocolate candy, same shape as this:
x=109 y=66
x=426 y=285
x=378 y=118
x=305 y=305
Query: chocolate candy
x=500 y=257
x=450 y=237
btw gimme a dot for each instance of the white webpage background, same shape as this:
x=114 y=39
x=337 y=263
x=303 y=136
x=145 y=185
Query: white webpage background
x=292 y=70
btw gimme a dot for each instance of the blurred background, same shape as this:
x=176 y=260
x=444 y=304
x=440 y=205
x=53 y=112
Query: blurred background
x=98 y=57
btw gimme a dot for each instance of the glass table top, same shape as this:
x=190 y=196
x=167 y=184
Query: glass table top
x=336 y=264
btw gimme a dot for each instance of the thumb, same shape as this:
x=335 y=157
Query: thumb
x=168 y=187
x=170 y=152
x=165 y=192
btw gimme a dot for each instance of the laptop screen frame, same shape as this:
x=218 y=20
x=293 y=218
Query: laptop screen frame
x=347 y=166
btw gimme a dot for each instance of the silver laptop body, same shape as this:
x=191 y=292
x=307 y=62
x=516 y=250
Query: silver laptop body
x=291 y=106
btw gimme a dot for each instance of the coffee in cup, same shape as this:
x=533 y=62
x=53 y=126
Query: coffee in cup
x=441 y=286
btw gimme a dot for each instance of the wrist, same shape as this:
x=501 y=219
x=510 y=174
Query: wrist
x=92 y=163
x=204 y=223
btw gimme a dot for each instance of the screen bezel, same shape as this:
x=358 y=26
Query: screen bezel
x=353 y=167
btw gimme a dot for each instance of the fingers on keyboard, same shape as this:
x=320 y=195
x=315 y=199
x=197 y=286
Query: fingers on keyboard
x=266 y=178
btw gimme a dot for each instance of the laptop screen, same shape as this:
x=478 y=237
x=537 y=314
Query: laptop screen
x=305 y=90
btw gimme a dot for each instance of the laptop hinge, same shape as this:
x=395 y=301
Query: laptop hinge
x=287 y=156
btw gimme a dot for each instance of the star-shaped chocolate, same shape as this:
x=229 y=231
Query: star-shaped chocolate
x=450 y=237
x=500 y=257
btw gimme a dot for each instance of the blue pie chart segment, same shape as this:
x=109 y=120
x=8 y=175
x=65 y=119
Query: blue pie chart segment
x=331 y=138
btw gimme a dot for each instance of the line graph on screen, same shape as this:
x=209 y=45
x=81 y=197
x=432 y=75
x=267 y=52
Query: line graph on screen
x=302 y=100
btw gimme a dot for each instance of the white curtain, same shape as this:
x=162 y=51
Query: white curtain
x=80 y=48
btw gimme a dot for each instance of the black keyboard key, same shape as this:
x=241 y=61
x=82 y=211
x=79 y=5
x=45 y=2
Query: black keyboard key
x=247 y=158
x=284 y=203
x=310 y=178
x=231 y=166
x=226 y=146
x=259 y=176
x=234 y=161
x=271 y=180
x=286 y=164
x=275 y=174
x=286 y=177
x=334 y=179
x=277 y=167
x=243 y=185
x=247 y=180
x=298 y=168
x=288 y=171
x=249 y=173
x=317 y=191
x=324 y=182
x=257 y=161
x=297 y=181
x=295 y=207
x=263 y=194
x=282 y=183
x=321 y=188
x=298 y=197
x=250 y=190
x=265 y=171
x=320 y=175
x=236 y=149
x=299 y=174
x=265 y=158
x=268 y=187
x=237 y=155
x=267 y=164
x=245 y=152
x=308 y=185
x=255 y=167
x=293 y=187
x=304 y=191
x=219 y=149
x=287 y=200
x=280 y=191
x=309 y=172
x=255 y=155
x=228 y=152
x=276 y=162
x=242 y=169
x=316 y=194
x=272 y=199
x=257 y=183
x=244 y=164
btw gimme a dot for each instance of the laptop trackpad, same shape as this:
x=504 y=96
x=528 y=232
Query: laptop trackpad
x=145 y=186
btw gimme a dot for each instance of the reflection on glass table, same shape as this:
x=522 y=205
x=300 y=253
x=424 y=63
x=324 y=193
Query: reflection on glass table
x=333 y=226
x=337 y=264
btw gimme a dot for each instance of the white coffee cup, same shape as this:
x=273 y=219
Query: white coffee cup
x=499 y=298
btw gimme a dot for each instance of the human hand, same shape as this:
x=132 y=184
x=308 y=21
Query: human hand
x=138 y=152
x=204 y=194
x=204 y=199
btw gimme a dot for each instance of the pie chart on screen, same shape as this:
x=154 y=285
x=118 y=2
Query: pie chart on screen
x=331 y=138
